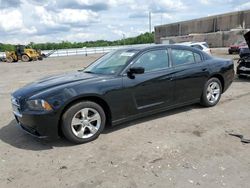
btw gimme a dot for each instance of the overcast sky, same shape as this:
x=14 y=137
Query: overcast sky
x=23 y=21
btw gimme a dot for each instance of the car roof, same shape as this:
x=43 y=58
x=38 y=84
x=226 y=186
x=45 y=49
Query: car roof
x=141 y=49
x=157 y=46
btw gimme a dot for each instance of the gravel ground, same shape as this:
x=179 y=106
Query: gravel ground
x=186 y=147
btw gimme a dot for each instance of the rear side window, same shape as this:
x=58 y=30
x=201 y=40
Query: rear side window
x=181 y=57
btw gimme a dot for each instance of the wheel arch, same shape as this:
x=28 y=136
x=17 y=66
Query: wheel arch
x=100 y=101
x=220 y=77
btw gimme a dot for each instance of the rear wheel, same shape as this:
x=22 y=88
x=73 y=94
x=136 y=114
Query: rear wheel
x=83 y=122
x=211 y=92
x=25 y=58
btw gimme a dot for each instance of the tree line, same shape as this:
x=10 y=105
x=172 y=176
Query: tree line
x=141 y=39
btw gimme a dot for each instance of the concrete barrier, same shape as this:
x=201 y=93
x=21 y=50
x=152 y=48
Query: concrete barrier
x=215 y=28
x=215 y=39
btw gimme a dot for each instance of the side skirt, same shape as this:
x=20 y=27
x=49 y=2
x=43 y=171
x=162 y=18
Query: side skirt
x=140 y=115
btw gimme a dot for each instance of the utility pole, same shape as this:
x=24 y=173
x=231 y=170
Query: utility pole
x=123 y=38
x=149 y=21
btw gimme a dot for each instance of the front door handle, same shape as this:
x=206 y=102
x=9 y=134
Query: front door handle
x=204 y=69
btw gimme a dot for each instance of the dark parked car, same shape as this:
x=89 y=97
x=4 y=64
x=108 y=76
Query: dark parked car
x=244 y=51
x=120 y=86
x=243 y=68
x=235 y=48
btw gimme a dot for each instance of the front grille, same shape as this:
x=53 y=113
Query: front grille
x=245 y=64
x=243 y=72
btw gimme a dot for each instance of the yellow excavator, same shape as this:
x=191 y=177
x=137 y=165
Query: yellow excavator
x=24 y=54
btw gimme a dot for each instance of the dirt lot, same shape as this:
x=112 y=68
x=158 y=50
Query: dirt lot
x=187 y=147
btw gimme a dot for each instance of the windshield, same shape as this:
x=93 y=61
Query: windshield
x=111 y=63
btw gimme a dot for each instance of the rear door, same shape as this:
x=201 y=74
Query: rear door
x=191 y=73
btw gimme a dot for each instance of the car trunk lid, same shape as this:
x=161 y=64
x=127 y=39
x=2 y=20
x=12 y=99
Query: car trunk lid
x=247 y=38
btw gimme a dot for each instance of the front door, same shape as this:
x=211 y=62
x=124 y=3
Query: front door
x=154 y=88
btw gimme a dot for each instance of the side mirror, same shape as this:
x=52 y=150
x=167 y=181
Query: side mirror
x=135 y=70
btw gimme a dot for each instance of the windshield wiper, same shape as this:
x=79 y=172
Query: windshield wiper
x=89 y=72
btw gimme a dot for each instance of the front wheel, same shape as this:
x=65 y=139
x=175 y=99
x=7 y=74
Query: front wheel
x=83 y=122
x=211 y=92
x=25 y=58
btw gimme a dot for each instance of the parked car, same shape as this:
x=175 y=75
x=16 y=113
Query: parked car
x=120 y=86
x=235 y=48
x=199 y=45
x=244 y=51
x=243 y=68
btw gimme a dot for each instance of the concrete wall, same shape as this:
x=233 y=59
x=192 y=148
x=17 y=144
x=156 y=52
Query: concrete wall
x=215 y=39
x=224 y=22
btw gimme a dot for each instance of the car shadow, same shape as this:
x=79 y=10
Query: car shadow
x=14 y=136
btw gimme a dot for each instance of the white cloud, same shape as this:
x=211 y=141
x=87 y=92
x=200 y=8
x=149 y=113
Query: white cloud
x=10 y=20
x=205 y=2
x=65 y=16
x=243 y=6
x=76 y=16
x=82 y=20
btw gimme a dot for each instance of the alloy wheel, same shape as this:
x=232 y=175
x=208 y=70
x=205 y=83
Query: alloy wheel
x=213 y=92
x=86 y=123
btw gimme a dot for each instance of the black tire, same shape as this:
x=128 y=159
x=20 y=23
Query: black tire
x=10 y=59
x=25 y=58
x=204 y=99
x=71 y=112
x=230 y=52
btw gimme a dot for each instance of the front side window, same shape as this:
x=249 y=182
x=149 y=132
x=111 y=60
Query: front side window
x=153 y=60
x=181 y=57
x=197 y=57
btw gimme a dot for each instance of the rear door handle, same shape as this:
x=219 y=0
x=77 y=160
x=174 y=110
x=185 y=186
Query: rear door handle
x=204 y=69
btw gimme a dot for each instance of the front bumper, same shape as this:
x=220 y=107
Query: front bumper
x=39 y=125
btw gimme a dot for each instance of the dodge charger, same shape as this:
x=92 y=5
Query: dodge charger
x=120 y=86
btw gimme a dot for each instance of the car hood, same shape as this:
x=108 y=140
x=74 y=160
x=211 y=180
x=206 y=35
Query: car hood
x=247 y=38
x=54 y=81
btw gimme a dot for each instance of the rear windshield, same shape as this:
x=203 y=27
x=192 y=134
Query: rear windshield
x=205 y=44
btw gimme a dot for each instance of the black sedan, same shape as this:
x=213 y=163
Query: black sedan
x=120 y=86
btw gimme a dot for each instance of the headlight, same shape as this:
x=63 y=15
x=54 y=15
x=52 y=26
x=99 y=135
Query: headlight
x=39 y=105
